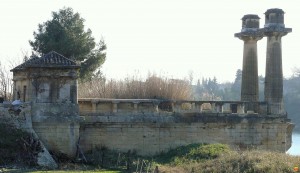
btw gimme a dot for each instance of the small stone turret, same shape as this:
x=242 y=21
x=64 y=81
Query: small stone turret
x=250 y=34
x=49 y=83
x=274 y=29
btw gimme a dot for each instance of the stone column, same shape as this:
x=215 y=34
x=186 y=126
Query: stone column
x=94 y=106
x=274 y=29
x=240 y=108
x=250 y=34
x=178 y=107
x=155 y=106
x=115 y=106
x=213 y=107
x=219 y=107
x=198 y=106
x=135 y=106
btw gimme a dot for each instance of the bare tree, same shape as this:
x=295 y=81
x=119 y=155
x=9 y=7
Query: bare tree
x=296 y=72
x=5 y=83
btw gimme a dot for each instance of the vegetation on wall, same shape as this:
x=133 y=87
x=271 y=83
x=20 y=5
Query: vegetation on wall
x=291 y=91
x=17 y=146
x=5 y=84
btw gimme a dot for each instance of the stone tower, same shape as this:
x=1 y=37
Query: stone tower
x=49 y=83
x=250 y=34
x=274 y=29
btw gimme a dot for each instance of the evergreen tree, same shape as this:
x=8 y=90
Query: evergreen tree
x=236 y=86
x=65 y=34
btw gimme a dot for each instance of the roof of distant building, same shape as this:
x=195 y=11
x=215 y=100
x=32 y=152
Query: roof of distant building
x=49 y=60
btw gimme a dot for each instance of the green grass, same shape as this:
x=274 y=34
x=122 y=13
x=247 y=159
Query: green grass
x=236 y=162
x=204 y=158
x=191 y=153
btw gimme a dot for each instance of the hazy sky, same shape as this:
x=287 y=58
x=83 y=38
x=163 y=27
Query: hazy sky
x=168 y=37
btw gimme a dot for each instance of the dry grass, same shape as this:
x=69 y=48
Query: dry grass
x=154 y=86
x=194 y=158
x=241 y=162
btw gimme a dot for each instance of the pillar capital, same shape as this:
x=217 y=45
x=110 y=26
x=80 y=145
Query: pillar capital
x=276 y=31
x=274 y=23
x=253 y=35
x=250 y=28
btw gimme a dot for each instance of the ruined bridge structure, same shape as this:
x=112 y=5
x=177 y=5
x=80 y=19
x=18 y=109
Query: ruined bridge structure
x=48 y=86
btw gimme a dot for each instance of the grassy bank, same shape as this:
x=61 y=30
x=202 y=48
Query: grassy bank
x=243 y=161
x=186 y=159
x=192 y=158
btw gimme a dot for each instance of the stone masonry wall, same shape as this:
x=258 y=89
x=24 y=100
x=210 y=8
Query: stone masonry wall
x=57 y=125
x=130 y=128
x=20 y=117
x=61 y=137
x=151 y=134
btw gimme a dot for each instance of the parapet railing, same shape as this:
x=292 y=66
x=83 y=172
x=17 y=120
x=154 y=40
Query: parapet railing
x=95 y=105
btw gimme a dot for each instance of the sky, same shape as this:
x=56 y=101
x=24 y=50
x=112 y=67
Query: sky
x=173 y=38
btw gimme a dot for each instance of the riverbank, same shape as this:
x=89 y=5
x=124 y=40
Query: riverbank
x=191 y=158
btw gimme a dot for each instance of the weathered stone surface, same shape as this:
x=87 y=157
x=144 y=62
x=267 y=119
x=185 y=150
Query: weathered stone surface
x=250 y=34
x=49 y=83
x=153 y=134
x=150 y=126
x=23 y=121
x=59 y=136
x=274 y=29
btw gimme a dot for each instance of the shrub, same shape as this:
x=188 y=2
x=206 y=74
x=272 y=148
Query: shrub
x=192 y=153
x=17 y=146
x=153 y=87
x=248 y=162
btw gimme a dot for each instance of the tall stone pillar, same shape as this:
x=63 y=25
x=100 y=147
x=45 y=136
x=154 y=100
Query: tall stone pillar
x=250 y=34
x=274 y=29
